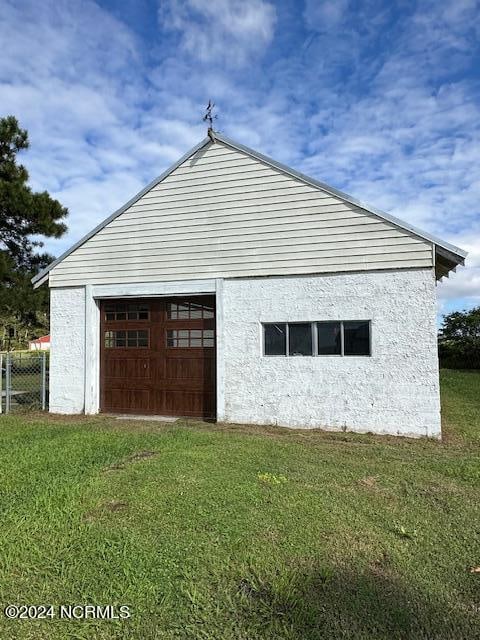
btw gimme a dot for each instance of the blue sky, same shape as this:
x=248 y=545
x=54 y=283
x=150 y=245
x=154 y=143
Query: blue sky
x=379 y=99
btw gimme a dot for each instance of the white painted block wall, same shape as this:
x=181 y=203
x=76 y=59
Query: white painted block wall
x=395 y=391
x=67 y=354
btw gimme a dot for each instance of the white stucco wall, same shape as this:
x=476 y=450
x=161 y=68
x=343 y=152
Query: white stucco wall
x=395 y=391
x=67 y=356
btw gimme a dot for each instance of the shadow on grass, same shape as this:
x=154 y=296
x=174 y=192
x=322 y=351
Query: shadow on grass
x=368 y=605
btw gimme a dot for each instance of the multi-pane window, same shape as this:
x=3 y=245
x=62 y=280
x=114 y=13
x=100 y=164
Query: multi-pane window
x=135 y=338
x=338 y=338
x=126 y=311
x=184 y=310
x=190 y=338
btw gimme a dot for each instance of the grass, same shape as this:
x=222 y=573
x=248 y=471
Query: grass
x=215 y=532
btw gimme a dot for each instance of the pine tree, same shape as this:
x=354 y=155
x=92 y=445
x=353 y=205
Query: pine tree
x=24 y=214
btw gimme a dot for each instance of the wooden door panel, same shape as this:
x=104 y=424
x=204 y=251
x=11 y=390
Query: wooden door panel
x=191 y=368
x=133 y=368
x=158 y=356
x=198 y=403
x=127 y=400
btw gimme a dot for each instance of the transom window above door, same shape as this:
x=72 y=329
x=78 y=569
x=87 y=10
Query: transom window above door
x=187 y=310
x=126 y=311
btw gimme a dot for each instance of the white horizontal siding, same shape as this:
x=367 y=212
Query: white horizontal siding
x=223 y=213
x=233 y=257
x=160 y=246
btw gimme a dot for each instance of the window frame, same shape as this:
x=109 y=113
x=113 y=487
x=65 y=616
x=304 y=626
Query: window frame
x=328 y=355
x=126 y=345
x=189 y=338
x=115 y=310
x=358 y=355
x=204 y=308
x=274 y=355
x=315 y=354
x=312 y=331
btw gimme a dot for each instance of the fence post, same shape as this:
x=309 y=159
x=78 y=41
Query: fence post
x=8 y=381
x=44 y=380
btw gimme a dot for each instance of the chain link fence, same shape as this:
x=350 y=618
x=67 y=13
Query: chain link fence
x=24 y=382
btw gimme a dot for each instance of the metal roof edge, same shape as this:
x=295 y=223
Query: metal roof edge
x=345 y=196
x=40 y=278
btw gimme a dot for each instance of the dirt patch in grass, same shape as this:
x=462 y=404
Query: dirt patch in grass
x=369 y=482
x=112 y=506
x=134 y=457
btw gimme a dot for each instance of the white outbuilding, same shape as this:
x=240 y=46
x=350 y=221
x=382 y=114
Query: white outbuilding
x=235 y=288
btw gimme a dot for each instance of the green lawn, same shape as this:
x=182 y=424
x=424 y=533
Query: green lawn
x=236 y=532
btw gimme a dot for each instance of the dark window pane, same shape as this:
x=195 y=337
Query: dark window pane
x=142 y=338
x=329 y=339
x=356 y=338
x=300 y=339
x=132 y=339
x=275 y=339
x=126 y=312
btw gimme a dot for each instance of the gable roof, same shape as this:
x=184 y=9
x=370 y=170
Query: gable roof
x=448 y=256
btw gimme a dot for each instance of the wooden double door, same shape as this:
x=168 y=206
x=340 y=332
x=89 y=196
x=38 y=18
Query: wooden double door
x=157 y=356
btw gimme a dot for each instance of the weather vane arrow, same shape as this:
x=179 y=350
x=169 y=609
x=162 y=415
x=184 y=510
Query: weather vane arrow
x=210 y=117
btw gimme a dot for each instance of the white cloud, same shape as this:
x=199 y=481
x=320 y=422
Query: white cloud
x=322 y=14
x=75 y=79
x=397 y=126
x=220 y=30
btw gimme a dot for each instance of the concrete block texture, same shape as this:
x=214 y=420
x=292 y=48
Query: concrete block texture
x=67 y=357
x=394 y=391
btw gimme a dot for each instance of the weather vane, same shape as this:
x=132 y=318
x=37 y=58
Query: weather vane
x=210 y=117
